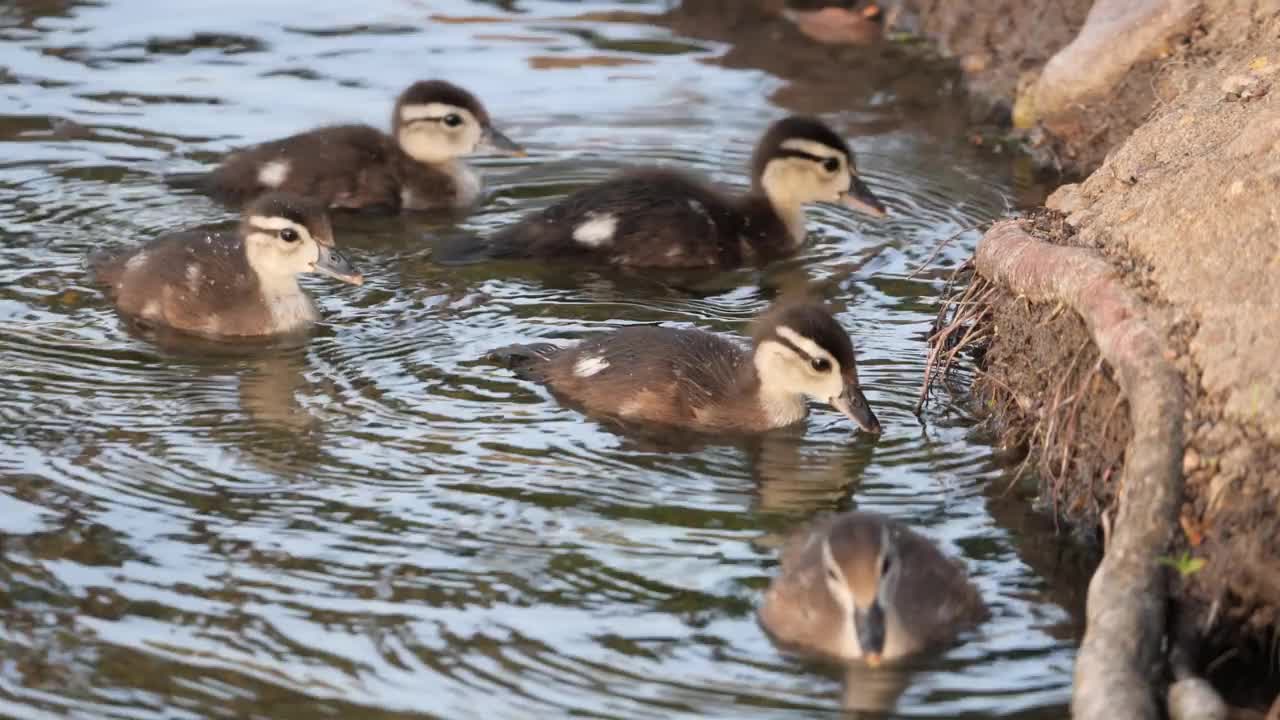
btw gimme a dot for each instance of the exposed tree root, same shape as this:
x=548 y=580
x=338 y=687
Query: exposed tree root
x=1121 y=653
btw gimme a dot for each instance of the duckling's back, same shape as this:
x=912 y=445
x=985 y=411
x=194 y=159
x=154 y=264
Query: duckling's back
x=649 y=218
x=667 y=376
x=192 y=281
x=344 y=166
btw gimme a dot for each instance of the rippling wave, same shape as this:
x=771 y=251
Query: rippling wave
x=378 y=523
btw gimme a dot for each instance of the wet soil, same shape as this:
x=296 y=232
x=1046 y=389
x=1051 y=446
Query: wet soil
x=1055 y=398
x=999 y=44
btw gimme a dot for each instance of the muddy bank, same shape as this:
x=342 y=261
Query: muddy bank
x=1184 y=130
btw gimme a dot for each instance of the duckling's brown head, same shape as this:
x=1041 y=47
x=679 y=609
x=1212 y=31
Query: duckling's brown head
x=436 y=121
x=861 y=566
x=801 y=160
x=801 y=349
x=286 y=234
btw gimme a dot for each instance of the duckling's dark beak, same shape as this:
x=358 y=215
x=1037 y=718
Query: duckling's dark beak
x=331 y=262
x=494 y=141
x=869 y=625
x=860 y=198
x=854 y=405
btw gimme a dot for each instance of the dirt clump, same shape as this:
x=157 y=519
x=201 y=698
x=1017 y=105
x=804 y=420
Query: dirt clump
x=999 y=44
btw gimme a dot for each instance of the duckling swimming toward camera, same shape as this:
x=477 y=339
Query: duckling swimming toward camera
x=664 y=218
x=861 y=586
x=705 y=382
x=238 y=284
x=352 y=167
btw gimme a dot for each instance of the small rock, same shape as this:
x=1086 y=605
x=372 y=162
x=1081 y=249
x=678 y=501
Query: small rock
x=1244 y=87
x=1190 y=461
x=1193 y=698
x=974 y=63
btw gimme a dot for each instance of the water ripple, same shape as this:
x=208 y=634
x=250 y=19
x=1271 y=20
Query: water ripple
x=379 y=523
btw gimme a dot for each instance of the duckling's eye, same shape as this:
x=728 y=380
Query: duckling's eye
x=821 y=364
x=831 y=165
x=289 y=235
x=452 y=120
x=885 y=565
x=832 y=575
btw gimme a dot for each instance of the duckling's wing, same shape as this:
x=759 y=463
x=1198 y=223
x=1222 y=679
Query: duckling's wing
x=652 y=374
x=109 y=266
x=648 y=218
x=346 y=166
x=936 y=598
x=190 y=274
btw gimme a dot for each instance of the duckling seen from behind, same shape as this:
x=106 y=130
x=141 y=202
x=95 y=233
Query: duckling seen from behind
x=659 y=217
x=417 y=167
x=706 y=382
x=240 y=284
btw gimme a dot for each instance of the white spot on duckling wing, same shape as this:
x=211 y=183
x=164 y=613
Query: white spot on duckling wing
x=701 y=210
x=135 y=262
x=194 y=276
x=596 y=232
x=590 y=365
x=274 y=173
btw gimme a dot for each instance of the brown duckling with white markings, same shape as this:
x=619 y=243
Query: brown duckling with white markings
x=353 y=167
x=664 y=218
x=861 y=586
x=239 y=284
x=706 y=382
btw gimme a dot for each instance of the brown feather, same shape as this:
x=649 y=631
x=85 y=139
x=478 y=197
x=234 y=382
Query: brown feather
x=353 y=167
x=664 y=218
x=686 y=378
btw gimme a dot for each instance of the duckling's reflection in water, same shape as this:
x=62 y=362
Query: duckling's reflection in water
x=280 y=434
x=871 y=692
x=796 y=477
x=269 y=393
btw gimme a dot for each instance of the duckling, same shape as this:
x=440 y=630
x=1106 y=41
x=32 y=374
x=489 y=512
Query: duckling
x=862 y=586
x=664 y=218
x=230 y=284
x=705 y=382
x=417 y=167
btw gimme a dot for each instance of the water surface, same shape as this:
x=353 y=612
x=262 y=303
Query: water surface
x=376 y=524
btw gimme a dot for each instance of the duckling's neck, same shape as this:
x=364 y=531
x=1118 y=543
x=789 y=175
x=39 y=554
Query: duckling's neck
x=786 y=206
x=290 y=307
x=777 y=406
x=424 y=180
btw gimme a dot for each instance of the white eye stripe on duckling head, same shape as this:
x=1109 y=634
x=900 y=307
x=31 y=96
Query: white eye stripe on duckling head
x=597 y=231
x=815 y=149
x=135 y=262
x=807 y=346
x=436 y=112
x=274 y=173
x=590 y=365
x=274 y=225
